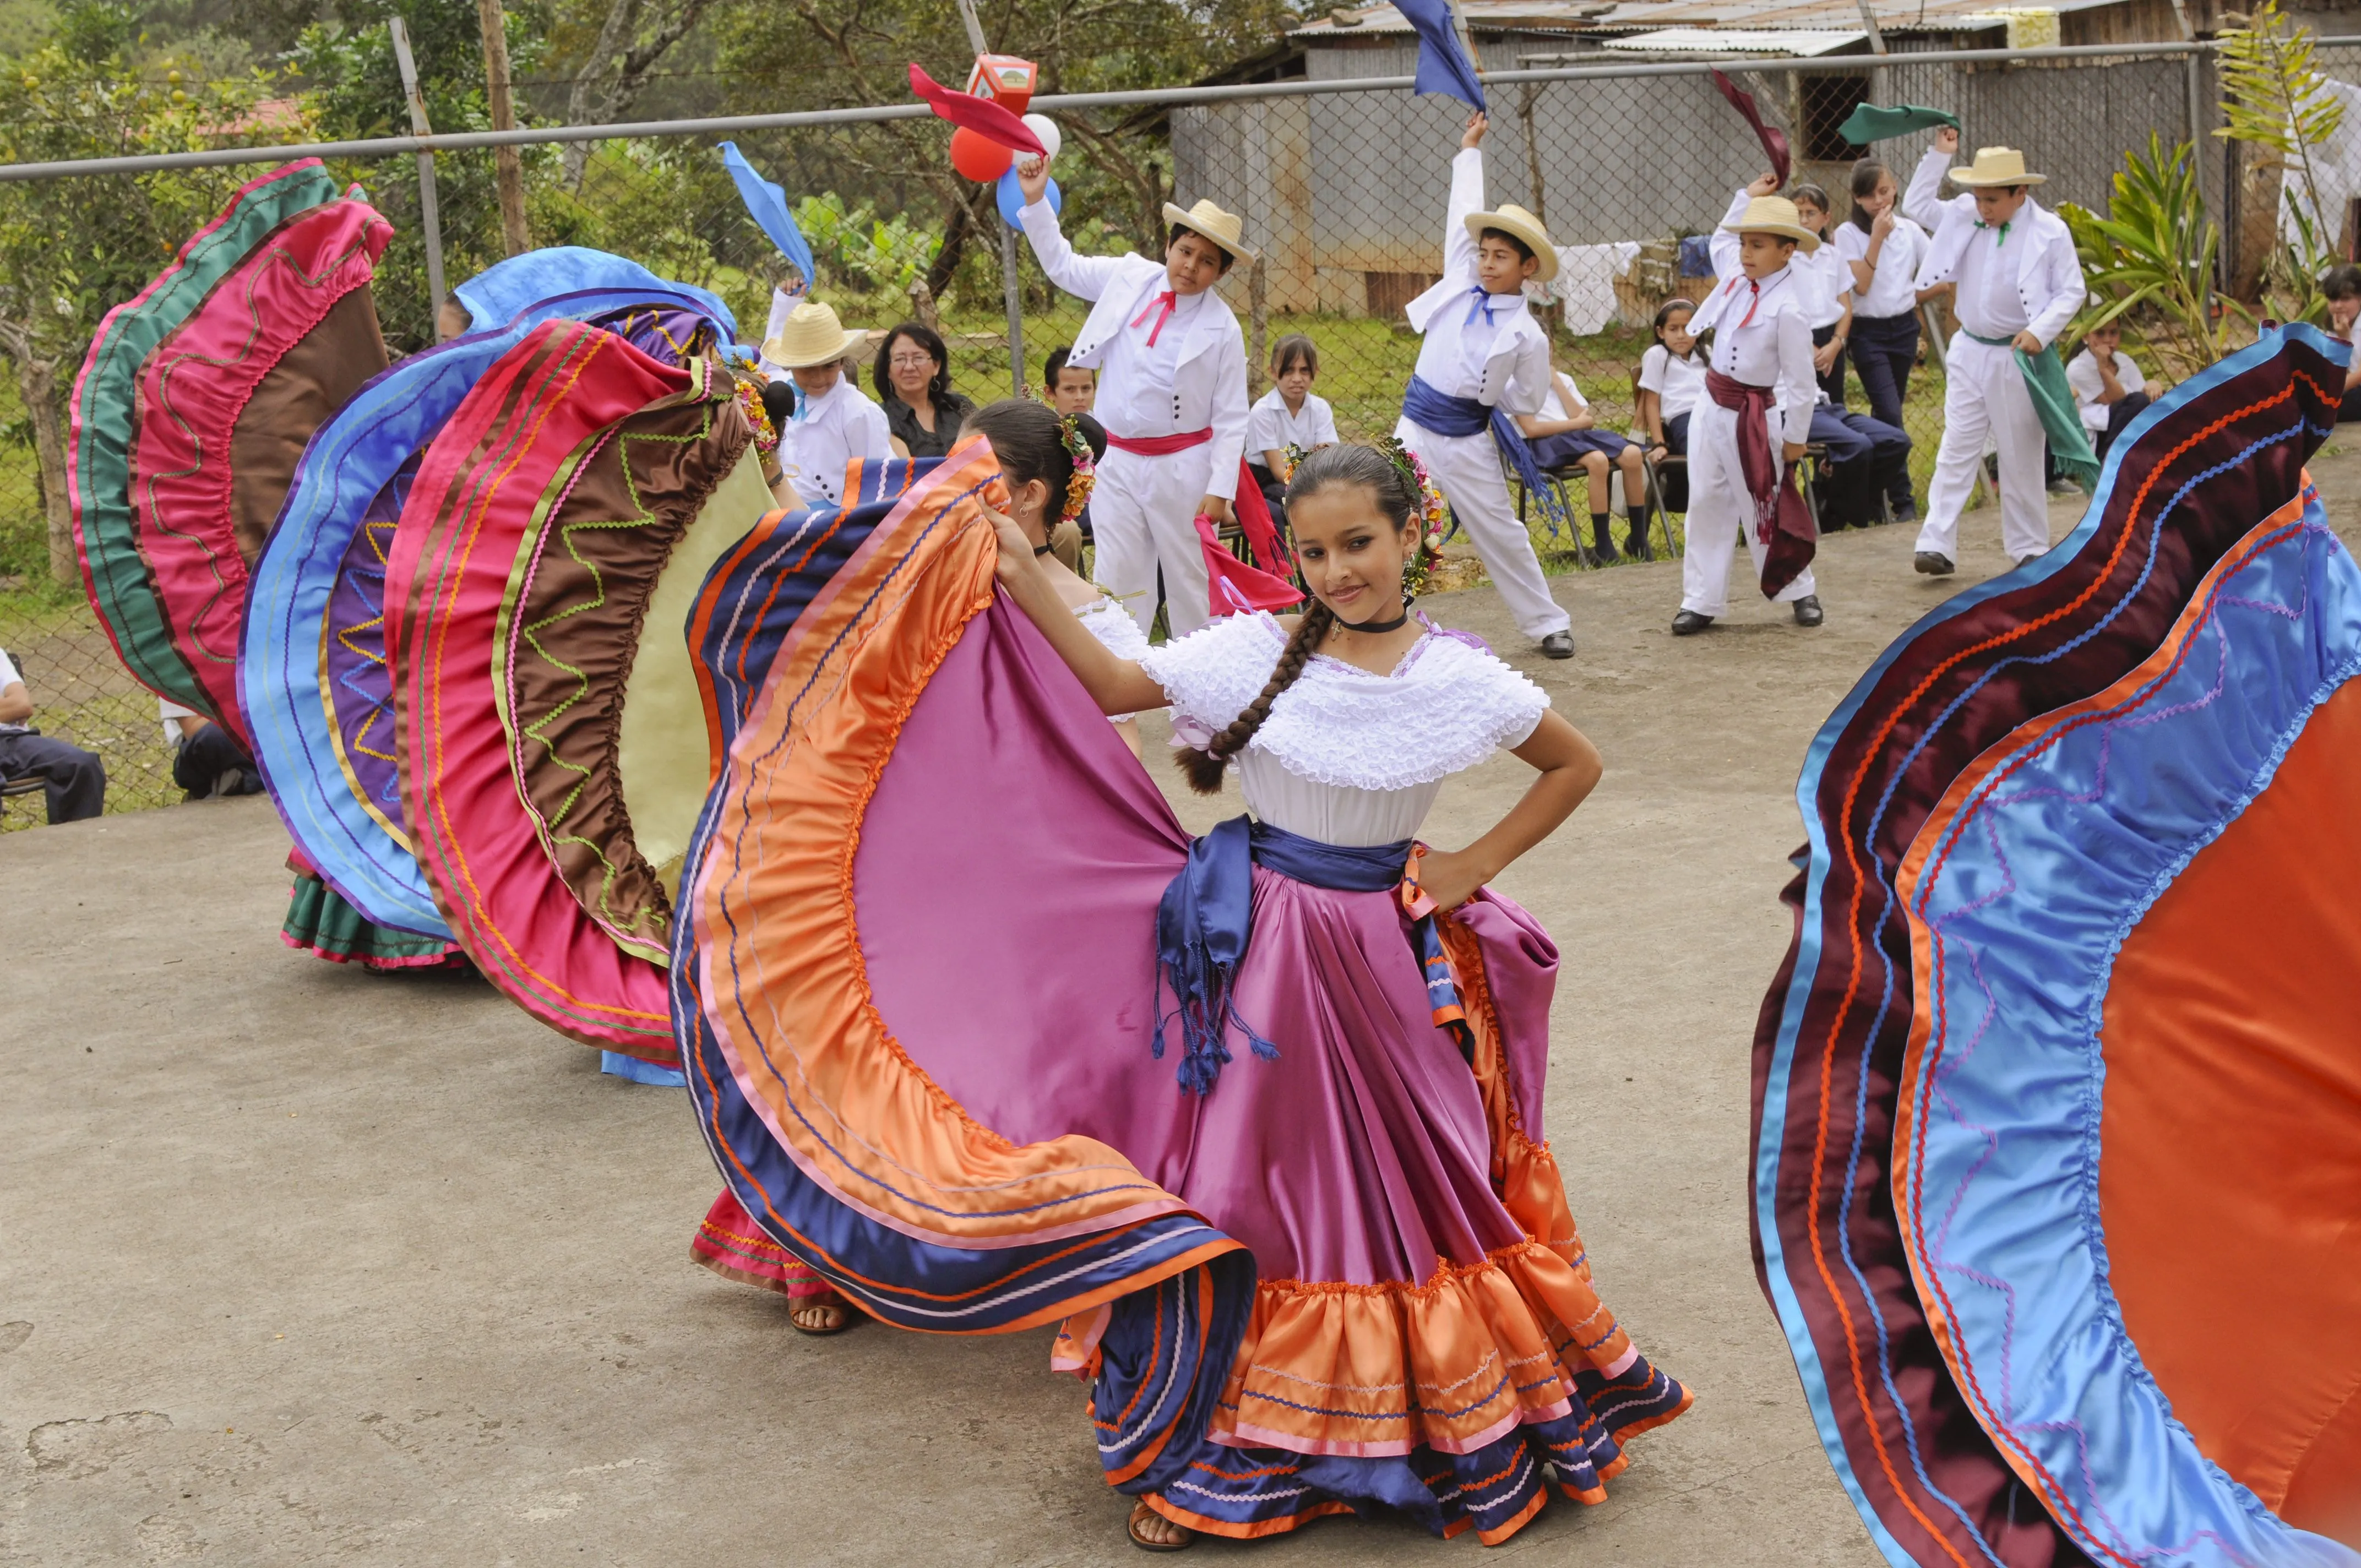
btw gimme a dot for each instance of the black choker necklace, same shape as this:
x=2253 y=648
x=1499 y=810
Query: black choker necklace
x=1041 y=549
x=1377 y=628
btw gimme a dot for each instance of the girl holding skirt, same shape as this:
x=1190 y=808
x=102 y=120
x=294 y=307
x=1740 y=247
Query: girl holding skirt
x=984 y=1041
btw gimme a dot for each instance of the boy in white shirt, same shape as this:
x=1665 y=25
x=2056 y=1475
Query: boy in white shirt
x=2109 y=389
x=1171 y=365
x=1759 y=384
x=2011 y=299
x=1485 y=360
x=834 y=421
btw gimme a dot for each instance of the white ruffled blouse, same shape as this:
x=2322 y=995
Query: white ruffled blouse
x=1346 y=757
x=1107 y=620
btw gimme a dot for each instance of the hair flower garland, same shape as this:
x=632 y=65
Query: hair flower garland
x=1433 y=516
x=1086 y=468
x=750 y=403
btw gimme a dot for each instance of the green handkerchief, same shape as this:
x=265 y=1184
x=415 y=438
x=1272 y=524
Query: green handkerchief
x=1869 y=123
x=2061 y=421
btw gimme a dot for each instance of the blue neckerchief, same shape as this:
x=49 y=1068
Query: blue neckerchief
x=1480 y=305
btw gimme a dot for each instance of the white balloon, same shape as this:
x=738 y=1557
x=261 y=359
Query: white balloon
x=1045 y=127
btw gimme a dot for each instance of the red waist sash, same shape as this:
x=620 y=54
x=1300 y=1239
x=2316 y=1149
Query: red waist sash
x=1160 y=446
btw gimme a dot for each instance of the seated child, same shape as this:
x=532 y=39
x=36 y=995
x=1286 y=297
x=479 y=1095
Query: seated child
x=1866 y=460
x=1565 y=434
x=2342 y=285
x=1290 y=415
x=1671 y=379
x=1070 y=388
x=2108 y=387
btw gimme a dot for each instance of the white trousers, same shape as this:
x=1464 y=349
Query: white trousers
x=1466 y=469
x=1721 y=512
x=1142 y=516
x=1985 y=403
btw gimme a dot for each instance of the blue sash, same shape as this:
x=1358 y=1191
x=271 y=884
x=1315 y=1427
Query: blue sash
x=1446 y=415
x=1206 y=921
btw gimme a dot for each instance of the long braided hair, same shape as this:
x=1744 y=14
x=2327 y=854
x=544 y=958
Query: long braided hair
x=1396 y=496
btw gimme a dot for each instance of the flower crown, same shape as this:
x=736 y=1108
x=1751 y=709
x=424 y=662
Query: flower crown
x=1086 y=468
x=1434 y=513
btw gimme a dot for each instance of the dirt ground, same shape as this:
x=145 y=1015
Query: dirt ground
x=302 y=1265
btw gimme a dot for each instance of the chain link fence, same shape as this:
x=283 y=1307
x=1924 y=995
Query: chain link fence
x=1342 y=185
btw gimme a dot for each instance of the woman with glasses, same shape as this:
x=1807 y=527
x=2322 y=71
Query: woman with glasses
x=914 y=385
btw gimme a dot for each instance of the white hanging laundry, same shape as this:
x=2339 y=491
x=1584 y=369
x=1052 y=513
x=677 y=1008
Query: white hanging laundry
x=1586 y=283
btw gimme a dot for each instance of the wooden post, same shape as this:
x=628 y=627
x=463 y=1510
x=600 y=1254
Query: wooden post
x=430 y=216
x=507 y=166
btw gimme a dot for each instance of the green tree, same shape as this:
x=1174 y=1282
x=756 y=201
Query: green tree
x=71 y=249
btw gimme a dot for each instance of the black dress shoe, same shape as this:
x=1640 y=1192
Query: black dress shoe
x=1558 y=645
x=1688 y=623
x=1907 y=511
x=1635 y=545
x=1808 y=612
x=1932 y=564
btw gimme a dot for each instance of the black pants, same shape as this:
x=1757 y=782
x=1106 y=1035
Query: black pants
x=76 y=780
x=203 y=761
x=1273 y=495
x=2120 y=414
x=1884 y=349
x=1831 y=383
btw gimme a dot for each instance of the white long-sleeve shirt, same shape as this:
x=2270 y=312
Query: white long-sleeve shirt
x=1193 y=376
x=2014 y=277
x=1762 y=330
x=1479 y=345
x=827 y=434
x=1830 y=281
x=1891 y=290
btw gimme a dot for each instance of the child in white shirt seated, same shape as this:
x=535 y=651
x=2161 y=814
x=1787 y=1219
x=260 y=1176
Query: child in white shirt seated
x=2108 y=387
x=1565 y=434
x=1671 y=379
x=1289 y=414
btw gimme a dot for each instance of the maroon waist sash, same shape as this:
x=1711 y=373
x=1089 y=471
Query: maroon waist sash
x=1781 y=523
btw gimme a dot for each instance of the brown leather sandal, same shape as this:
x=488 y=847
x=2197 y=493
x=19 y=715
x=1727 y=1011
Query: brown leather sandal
x=1142 y=1512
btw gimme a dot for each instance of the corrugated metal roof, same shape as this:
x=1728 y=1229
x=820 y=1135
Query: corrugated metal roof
x=1800 y=42
x=1729 y=16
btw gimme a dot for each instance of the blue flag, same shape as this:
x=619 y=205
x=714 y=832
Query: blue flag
x=767 y=205
x=1443 y=64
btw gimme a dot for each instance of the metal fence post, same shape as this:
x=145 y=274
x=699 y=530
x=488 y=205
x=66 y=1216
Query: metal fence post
x=430 y=217
x=1012 y=290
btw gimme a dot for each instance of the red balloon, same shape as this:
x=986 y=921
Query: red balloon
x=978 y=157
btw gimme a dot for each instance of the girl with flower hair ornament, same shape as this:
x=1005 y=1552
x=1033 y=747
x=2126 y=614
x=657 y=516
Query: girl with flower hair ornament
x=1365 y=971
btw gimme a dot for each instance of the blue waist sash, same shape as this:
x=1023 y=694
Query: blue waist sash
x=1447 y=415
x=1206 y=921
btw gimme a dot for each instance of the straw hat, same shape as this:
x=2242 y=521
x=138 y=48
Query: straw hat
x=1776 y=215
x=811 y=336
x=1996 y=165
x=1513 y=219
x=1222 y=228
